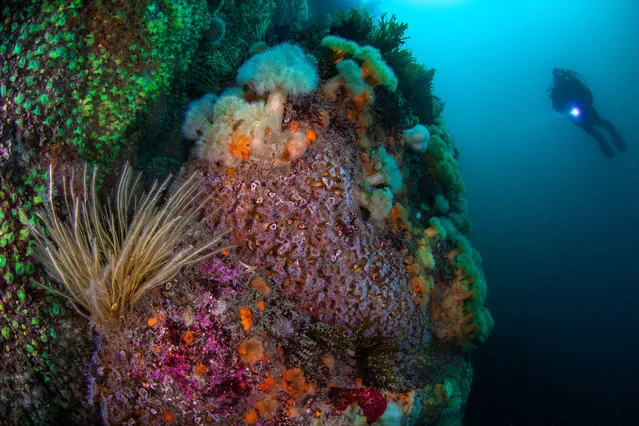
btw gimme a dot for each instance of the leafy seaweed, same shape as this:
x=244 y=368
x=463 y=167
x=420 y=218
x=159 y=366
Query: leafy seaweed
x=356 y=25
x=388 y=35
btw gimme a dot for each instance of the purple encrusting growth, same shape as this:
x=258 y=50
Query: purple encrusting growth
x=303 y=228
x=218 y=270
x=182 y=364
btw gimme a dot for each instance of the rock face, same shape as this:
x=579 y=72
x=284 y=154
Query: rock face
x=339 y=294
x=305 y=231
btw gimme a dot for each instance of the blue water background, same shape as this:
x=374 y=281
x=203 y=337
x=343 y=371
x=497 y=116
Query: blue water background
x=556 y=222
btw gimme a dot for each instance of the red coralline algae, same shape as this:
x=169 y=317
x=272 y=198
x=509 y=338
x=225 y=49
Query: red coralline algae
x=371 y=401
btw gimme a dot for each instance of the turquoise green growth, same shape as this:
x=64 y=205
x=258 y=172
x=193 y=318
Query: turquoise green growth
x=80 y=75
x=84 y=73
x=30 y=317
x=19 y=194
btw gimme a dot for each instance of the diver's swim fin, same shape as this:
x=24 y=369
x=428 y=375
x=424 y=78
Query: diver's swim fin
x=601 y=141
x=605 y=149
x=618 y=141
x=614 y=134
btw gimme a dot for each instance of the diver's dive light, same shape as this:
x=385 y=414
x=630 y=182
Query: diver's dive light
x=575 y=112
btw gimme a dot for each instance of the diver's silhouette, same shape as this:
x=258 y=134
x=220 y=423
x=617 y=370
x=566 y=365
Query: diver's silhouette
x=571 y=96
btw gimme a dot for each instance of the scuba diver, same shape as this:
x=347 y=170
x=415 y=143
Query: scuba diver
x=571 y=96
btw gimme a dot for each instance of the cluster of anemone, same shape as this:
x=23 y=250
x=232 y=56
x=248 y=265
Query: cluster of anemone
x=373 y=70
x=79 y=74
x=245 y=123
x=442 y=162
x=417 y=138
x=360 y=69
x=379 y=200
x=459 y=314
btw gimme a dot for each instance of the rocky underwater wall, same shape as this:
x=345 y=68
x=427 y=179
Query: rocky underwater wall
x=310 y=261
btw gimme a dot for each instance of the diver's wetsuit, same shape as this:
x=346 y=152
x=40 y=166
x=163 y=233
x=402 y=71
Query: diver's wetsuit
x=571 y=96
